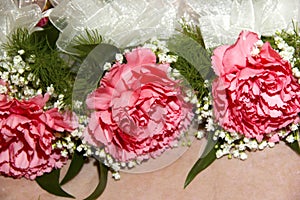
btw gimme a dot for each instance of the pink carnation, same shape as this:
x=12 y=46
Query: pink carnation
x=139 y=110
x=26 y=136
x=254 y=95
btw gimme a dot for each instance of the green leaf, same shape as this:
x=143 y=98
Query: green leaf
x=294 y=146
x=50 y=33
x=75 y=167
x=194 y=53
x=50 y=183
x=102 y=171
x=91 y=70
x=207 y=158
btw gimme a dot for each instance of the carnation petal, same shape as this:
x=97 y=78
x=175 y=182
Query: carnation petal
x=217 y=58
x=236 y=55
x=140 y=56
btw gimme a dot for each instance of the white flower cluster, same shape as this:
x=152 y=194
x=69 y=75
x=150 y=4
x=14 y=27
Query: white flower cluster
x=235 y=145
x=285 y=51
x=20 y=82
x=159 y=47
x=16 y=73
x=256 y=49
x=292 y=135
x=67 y=144
x=109 y=161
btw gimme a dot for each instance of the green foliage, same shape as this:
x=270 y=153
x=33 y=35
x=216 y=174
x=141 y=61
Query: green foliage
x=84 y=43
x=45 y=62
x=294 y=146
x=192 y=76
x=207 y=158
x=193 y=62
x=50 y=183
x=102 y=172
x=75 y=167
x=192 y=31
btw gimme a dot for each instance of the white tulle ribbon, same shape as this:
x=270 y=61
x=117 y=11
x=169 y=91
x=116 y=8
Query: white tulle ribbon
x=221 y=21
x=12 y=17
x=123 y=23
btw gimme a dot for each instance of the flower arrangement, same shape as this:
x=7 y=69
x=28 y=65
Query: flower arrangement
x=124 y=106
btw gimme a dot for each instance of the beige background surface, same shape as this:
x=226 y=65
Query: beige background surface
x=272 y=174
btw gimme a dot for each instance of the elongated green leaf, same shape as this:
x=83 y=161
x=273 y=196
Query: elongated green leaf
x=102 y=171
x=75 y=167
x=294 y=146
x=207 y=157
x=50 y=183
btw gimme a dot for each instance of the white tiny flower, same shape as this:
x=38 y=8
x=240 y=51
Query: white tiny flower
x=271 y=144
x=210 y=125
x=294 y=127
x=236 y=153
x=88 y=152
x=79 y=148
x=116 y=166
x=31 y=59
x=77 y=104
x=5 y=76
x=290 y=139
x=21 y=52
x=259 y=43
x=246 y=140
x=119 y=57
x=219 y=153
x=107 y=66
x=206 y=106
x=176 y=73
x=39 y=91
x=243 y=156
x=194 y=100
x=278 y=39
x=68 y=139
x=30 y=77
x=17 y=59
x=70 y=145
x=222 y=134
x=116 y=175
x=64 y=153
x=281 y=45
x=199 y=134
x=97 y=152
x=50 y=89
x=297 y=74
x=3 y=89
x=263 y=145
x=61 y=97
x=102 y=154
x=123 y=164
x=242 y=147
x=253 y=144
x=255 y=51
x=131 y=164
x=295 y=70
x=59 y=145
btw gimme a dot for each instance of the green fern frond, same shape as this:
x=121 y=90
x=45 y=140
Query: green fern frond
x=48 y=65
x=84 y=43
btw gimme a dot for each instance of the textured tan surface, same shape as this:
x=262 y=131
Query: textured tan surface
x=272 y=174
